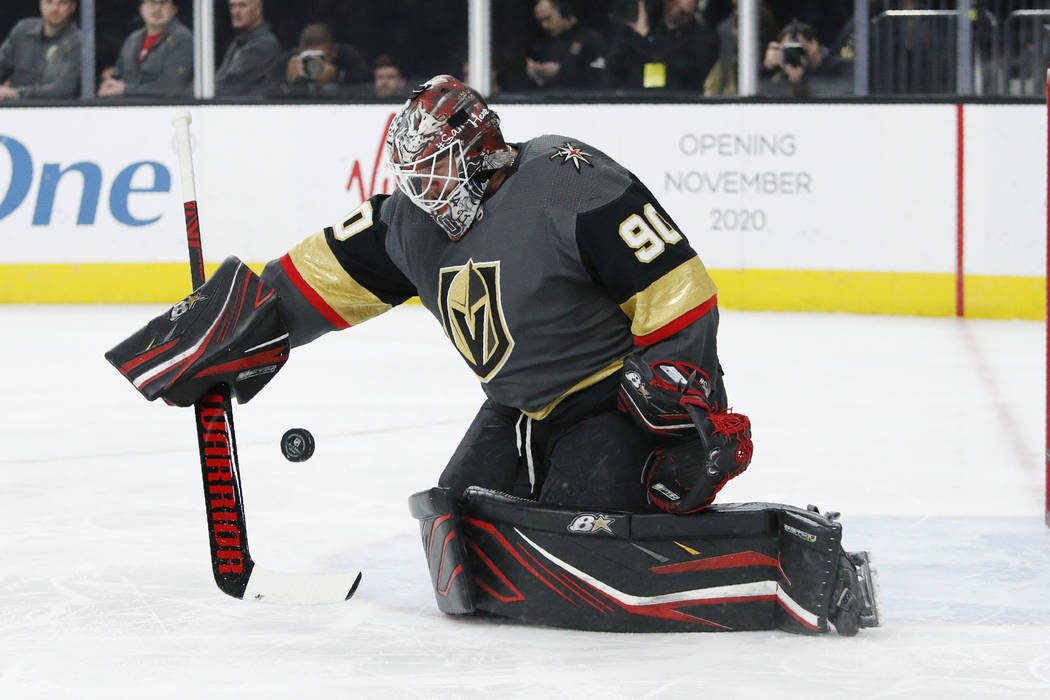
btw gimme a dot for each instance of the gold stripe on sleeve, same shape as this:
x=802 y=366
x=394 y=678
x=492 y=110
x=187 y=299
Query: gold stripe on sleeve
x=679 y=291
x=320 y=269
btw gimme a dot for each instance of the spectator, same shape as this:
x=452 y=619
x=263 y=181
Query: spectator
x=675 y=52
x=247 y=69
x=572 y=56
x=320 y=67
x=797 y=65
x=722 y=79
x=827 y=18
x=388 y=78
x=157 y=60
x=40 y=58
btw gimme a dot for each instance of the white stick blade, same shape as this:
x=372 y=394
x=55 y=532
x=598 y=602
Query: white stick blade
x=299 y=589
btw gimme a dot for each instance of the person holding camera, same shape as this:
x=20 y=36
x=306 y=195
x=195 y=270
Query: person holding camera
x=320 y=67
x=796 y=65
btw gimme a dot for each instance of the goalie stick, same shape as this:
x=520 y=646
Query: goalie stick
x=236 y=574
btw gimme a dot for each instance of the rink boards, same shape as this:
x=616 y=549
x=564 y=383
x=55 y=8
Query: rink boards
x=927 y=209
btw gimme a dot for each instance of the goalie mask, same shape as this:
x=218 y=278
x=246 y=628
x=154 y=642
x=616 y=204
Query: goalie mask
x=442 y=148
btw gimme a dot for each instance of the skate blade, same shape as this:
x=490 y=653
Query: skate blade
x=868 y=578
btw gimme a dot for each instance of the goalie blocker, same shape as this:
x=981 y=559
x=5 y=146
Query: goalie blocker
x=228 y=331
x=743 y=566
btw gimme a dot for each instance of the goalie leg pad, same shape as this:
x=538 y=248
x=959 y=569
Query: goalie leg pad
x=749 y=566
x=445 y=549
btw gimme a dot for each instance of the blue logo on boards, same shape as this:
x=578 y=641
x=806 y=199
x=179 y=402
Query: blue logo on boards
x=84 y=173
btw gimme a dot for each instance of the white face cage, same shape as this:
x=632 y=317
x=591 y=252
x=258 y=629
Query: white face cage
x=433 y=181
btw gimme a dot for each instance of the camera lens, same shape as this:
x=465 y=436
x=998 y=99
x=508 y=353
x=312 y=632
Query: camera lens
x=792 y=53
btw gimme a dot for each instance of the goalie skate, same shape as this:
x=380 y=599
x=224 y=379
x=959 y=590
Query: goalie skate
x=854 y=602
x=868 y=578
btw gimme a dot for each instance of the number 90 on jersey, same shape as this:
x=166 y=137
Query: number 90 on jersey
x=648 y=234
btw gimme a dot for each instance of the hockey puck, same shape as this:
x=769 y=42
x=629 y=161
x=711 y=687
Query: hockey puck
x=297 y=445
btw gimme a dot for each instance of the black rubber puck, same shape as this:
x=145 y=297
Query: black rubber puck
x=297 y=445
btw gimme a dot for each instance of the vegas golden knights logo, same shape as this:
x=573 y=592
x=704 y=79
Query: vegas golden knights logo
x=469 y=297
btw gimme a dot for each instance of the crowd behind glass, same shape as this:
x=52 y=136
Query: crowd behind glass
x=542 y=49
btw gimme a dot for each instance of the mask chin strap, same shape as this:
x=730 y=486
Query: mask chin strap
x=465 y=210
x=492 y=162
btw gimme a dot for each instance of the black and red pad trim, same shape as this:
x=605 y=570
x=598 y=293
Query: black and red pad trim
x=751 y=566
x=441 y=530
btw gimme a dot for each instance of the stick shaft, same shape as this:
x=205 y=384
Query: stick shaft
x=231 y=562
x=181 y=121
x=227 y=532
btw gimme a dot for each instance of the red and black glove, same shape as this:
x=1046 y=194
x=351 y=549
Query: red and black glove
x=226 y=332
x=672 y=398
x=656 y=395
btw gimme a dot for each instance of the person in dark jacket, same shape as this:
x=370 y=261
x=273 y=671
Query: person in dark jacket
x=156 y=60
x=248 y=68
x=675 y=51
x=571 y=56
x=40 y=58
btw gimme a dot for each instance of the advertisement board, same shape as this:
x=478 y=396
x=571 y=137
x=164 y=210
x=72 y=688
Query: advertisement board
x=810 y=206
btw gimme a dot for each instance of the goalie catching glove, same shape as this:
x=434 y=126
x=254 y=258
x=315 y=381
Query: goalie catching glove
x=672 y=398
x=228 y=331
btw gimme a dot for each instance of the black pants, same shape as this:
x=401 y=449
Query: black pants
x=586 y=453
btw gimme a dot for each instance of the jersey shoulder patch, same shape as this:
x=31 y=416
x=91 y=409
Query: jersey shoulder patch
x=570 y=174
x=573 y=153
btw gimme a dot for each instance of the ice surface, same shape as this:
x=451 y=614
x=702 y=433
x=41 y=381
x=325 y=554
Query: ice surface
x=927 y=434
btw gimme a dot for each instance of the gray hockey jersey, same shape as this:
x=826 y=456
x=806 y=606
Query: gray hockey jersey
x=572 y=266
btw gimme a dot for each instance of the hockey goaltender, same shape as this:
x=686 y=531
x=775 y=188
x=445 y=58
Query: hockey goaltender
x=580 y=496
